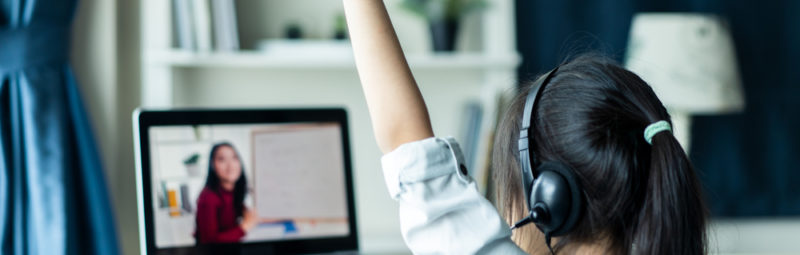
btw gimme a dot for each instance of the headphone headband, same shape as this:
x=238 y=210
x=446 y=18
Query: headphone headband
x=553 y=195
x=533 y=98
x=528 y=158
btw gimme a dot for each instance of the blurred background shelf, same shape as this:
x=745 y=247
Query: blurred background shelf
x=334 y=60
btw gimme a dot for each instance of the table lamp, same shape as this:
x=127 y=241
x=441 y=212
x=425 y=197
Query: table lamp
x=689 y=61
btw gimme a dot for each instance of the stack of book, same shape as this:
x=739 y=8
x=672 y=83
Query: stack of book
x=481 y=119
x=205 y=25
x=176 y=198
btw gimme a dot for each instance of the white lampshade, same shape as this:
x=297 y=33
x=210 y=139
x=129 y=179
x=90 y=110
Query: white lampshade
x=688 y=59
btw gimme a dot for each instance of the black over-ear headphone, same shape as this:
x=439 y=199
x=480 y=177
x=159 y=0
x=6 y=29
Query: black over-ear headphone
x=553 y=196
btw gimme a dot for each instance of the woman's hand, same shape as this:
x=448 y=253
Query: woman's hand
x=249 y=220
x=395 y=104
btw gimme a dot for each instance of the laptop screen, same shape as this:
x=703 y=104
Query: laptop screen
x=246 y=183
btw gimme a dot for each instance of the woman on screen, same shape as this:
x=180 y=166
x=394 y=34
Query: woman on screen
x=221 y=203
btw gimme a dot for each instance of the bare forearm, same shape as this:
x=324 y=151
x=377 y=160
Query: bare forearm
x=395 y=104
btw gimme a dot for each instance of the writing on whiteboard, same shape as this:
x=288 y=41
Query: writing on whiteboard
x=299 y=172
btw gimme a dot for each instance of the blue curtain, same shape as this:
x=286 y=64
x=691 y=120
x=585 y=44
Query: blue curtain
x=53 y=195
x=746 y=160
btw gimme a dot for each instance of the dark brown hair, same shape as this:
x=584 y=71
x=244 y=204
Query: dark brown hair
x=639 y=198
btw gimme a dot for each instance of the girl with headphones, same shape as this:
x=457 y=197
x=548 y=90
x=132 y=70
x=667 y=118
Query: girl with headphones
x=585 y=153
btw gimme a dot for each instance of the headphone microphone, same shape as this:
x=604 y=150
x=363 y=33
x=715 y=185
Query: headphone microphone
x=551 y=189
x=538 y=215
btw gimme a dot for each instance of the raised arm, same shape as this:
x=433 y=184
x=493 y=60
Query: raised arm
x=395 y=104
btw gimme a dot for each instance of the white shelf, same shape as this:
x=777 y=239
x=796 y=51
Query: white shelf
x=336 y=60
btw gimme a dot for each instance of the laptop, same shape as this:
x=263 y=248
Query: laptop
x=251 y=181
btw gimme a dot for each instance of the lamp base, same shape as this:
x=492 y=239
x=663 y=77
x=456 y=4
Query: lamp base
x=681 y=128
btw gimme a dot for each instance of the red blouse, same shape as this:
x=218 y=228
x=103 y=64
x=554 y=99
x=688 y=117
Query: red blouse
x=216 y=218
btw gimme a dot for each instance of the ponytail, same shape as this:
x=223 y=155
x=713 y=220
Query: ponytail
x=673 y=217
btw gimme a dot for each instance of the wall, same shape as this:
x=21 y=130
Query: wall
x=94 y=62
x=105 y=58
x=754 y=236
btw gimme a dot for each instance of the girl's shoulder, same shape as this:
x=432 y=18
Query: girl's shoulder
x=208 y=197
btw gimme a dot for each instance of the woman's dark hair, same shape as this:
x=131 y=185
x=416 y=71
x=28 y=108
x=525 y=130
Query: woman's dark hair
x=639 y=198
x=212 y=181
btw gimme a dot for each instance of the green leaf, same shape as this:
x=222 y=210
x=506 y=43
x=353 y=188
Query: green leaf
x=192 y=159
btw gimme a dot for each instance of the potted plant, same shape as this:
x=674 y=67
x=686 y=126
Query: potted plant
x=191 y=163
x=444 y=17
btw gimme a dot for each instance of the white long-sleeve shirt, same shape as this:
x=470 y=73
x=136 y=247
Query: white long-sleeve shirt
x=441 y=210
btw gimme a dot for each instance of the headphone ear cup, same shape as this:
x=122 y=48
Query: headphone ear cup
x=556 y=189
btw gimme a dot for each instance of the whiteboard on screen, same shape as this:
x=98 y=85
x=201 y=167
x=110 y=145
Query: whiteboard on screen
x=299 y=172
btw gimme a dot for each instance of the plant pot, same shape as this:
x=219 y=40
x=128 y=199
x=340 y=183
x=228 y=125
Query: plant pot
x=193 y=170
x=443 y=34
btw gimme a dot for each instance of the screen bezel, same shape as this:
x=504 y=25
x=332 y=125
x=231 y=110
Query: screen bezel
x=144 y=119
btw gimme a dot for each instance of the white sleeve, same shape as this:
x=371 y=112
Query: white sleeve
x=441 y=210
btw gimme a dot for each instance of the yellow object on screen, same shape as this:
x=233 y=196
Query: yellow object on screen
x=172 y=197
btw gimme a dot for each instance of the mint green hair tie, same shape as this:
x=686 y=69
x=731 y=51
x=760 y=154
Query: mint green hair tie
x=654 y=129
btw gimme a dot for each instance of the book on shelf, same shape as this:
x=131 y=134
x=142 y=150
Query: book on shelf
x=183 y=23
x=226 y=33
x=202 y=24
x=470 y=134
x=481 y=123
x=186 y=201
x=205 y=25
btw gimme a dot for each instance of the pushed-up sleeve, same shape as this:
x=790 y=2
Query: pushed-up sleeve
x=441 y=210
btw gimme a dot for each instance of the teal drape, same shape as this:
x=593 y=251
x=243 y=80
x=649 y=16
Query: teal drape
x=53 y=195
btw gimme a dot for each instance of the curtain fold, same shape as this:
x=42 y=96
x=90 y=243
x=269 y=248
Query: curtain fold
x=53 y=194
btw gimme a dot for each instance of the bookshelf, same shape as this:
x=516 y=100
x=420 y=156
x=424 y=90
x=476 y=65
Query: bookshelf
x=255 y=59
x=483 y=67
